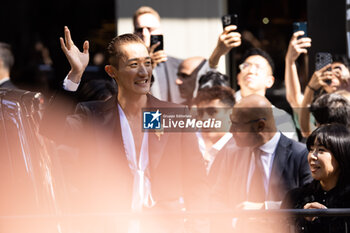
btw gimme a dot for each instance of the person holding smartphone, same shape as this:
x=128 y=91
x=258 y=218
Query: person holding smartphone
x=146 y=22
x=227 y=40
x=328 y=79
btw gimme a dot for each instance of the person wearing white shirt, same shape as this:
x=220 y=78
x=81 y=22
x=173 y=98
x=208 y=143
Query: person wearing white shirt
x=162 y=171
x=214 y=102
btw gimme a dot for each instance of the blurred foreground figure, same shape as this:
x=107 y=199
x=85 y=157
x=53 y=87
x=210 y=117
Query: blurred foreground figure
x=124 y=168
x=6 y=62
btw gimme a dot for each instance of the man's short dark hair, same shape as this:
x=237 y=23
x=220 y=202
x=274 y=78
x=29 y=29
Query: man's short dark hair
x=260 y=52
x=224 y=94
x=114 y=47
x=6 y=55
x=331 y=108
x=211 y=79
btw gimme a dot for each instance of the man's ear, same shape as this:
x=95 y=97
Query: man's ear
x=261 y=125
x=111 y=71
x=270 y=81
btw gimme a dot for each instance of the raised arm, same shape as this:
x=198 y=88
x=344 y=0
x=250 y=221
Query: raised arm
x=227 y=40
x=78 y=60
x=295 y=48
x=316 y=82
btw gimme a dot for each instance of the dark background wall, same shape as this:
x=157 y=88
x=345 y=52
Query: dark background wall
x=24 y=22
x=327 y=27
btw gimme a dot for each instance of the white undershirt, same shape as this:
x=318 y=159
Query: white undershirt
x=142 y=185
x=215 y=148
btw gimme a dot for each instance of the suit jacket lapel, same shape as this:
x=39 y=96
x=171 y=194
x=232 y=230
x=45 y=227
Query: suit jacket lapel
x=280 y=161
x=106 y=116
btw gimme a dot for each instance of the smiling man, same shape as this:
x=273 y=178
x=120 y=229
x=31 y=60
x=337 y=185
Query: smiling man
x=153 y=172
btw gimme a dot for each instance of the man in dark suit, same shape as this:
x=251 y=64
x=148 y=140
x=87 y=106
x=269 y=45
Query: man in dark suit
x=265 y=165
x=150 y=171
x=146 y=23
x=6 y=63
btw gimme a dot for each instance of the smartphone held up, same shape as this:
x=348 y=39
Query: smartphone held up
x=155 y=39
x=230 y=19
x=323 y=59
x=300 y=26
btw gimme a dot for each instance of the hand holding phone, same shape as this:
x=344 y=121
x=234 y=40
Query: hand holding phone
x=155 y=39
x=322 y=59
x=230 y=19
x=300 y=26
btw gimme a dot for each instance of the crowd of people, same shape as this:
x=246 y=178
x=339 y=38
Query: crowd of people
x=259 y=161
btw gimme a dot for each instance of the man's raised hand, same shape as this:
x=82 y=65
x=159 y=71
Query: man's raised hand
x=77 y=60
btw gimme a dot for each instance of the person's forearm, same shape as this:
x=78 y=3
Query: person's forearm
x=215 y=58
x=304 y=119
x=293 y=90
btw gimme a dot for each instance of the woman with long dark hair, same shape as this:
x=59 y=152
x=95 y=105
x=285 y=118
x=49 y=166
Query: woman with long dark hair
x=329 y=161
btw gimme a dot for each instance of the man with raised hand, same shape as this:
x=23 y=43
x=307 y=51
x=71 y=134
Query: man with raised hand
x=158 y=171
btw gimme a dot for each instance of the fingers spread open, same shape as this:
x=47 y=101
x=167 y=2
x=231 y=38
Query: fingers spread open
x=63 y=46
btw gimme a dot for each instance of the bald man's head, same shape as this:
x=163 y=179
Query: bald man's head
x=187 y=74
x=255 y=106
x=252 y=121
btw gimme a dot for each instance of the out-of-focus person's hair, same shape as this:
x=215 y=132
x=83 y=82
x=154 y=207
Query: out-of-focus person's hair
x=344 y=93
x=331 y=108
x=97 y=89
x=335 y=138
x=211 y=79
x=224 y=94
x=6 y=55
x=114 y=49
x=144 y=10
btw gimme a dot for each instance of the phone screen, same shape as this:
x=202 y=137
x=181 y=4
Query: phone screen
x=155 y=39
